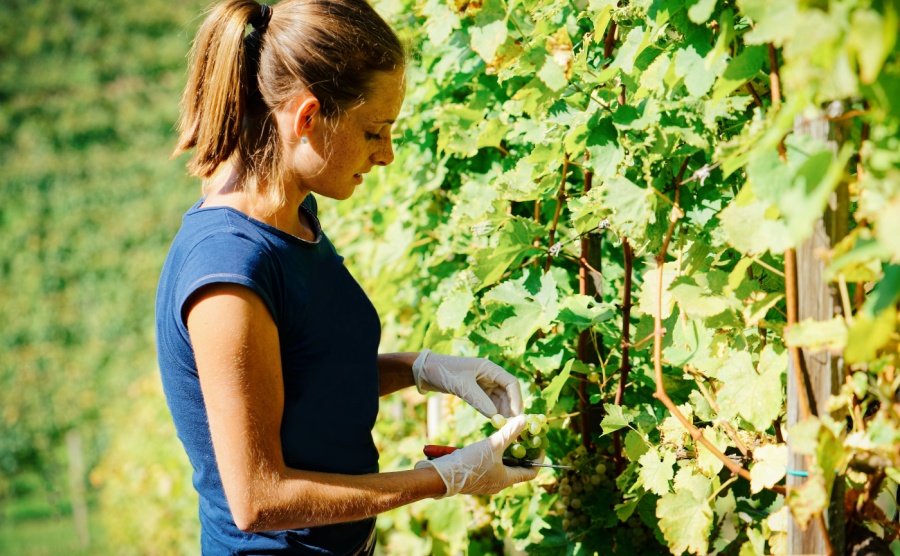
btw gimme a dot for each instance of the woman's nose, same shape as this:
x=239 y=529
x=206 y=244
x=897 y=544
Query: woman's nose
x=385 y=153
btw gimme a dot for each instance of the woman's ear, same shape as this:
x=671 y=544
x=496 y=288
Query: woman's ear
x=305 y=110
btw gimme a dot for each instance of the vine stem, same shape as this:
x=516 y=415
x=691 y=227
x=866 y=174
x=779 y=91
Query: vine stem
x=625 y=368
x=698 y=378
x=560 y=197
x=800 y=375
x=775 y=89
x=661 y=393
x=609 y=42
x=583 y=336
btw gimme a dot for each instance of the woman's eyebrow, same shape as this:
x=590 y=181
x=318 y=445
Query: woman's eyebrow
x=383 y=121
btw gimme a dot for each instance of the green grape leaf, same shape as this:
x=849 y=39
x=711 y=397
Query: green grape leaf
x=657 y=470
x=453 y=309
x=701 y=11
x=755 y=396
x=753 y=226
x=552 y=74
x=685 y=522
x=440 y=21
x=615 y=419
x=873 y=36
x=528 y=311
x=632 y=207
x=696 y=298
x=635 y=446
x=770 y=466
x=516 y=241
x=776 y=20
x=743 y=68
x=550 y=394
x=583 y=311
x=632 y=45
x=759 y=306
x=698 y=78
x=605 y=151
x=691 y=342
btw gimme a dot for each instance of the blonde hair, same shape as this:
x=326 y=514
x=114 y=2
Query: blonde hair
x=330 y=48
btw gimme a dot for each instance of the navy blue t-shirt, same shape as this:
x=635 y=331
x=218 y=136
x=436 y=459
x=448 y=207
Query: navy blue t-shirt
x=328 y=332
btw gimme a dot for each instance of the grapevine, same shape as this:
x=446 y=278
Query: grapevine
x=620 y=189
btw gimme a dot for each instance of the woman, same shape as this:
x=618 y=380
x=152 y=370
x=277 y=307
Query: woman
x=267 y=346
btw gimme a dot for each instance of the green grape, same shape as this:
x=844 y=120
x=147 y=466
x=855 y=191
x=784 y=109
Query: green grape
x=518 y=451
x=595 y=479
x=536 y=442
x=576 y=503
x=594 y=377
x=601 y=468
x=535 y=427
x=498 y=420
x=533 y=453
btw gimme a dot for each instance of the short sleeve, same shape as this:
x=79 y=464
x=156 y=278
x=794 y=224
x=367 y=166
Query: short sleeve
x=228 y=258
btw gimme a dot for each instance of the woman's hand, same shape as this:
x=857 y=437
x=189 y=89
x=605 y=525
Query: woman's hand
x=484 y=385
x=478 y=468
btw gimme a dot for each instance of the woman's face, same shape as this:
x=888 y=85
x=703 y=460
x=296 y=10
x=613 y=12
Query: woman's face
x=338 y=154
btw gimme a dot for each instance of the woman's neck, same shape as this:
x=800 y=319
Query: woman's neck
x=226 y=189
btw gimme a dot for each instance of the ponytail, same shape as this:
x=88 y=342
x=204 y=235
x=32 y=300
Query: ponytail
x=214 y=104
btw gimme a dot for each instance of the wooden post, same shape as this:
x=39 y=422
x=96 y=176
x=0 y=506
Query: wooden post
x=76 y=486
x=818 y=300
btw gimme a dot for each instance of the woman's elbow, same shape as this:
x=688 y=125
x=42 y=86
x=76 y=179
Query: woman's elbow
x=248 y=517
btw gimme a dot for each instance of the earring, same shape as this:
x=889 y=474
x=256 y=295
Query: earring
x=304 y=139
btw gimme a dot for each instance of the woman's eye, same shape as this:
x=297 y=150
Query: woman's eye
x=373 y=136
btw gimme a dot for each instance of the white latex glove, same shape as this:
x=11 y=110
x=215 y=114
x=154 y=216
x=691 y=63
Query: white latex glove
x=478 y=468
x=484 y=385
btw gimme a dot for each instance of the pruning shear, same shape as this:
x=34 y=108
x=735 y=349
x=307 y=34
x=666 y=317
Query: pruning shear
x=435 y=451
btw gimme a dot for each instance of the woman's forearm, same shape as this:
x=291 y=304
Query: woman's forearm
x=395 y=372
x=296 y=499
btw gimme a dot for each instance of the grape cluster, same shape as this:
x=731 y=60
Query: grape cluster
x=581 y=495
x=531 y=441
x=587 y=474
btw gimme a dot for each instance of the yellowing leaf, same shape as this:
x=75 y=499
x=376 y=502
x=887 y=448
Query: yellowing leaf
x=647 y=299
x=869 y=334
x=757 y=397
x=685 y=522
x=814 y=335
x=657 y=470
x=487 y=38
x=873 y=36
x=770 y=466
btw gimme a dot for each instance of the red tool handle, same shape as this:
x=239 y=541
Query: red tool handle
x=435 y=451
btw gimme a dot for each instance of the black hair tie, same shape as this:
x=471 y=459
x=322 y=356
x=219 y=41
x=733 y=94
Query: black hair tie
x=265 y=14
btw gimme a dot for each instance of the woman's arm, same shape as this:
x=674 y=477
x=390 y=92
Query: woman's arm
x=236 y=348
x=395 y=372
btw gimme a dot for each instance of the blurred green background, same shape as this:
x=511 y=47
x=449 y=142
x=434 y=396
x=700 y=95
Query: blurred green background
x=90 y=202
x=89 y=461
